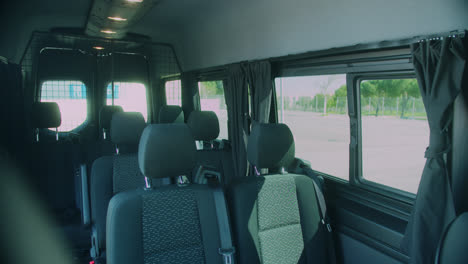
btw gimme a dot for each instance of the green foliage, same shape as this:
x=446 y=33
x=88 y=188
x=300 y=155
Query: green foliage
x=392 y=88
x=211 y=88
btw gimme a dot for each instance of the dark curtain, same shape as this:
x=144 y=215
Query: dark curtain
x=13 y=132
x=439 y=66
x=261 y=87
x=190 y=93
x=235 y=89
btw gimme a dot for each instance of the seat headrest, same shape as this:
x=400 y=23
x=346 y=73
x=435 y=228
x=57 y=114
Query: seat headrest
x=166 y=150
x=271 y=146
x=204 y=125
x=126 y=128
x=105 y=115
x=452 y=247
x=46 y=115
x=171 y=114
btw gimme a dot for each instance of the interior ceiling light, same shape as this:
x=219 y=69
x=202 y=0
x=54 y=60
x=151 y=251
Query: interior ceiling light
x=98 y=48
x=119 y=19
x=108 y=31
x=134 y=1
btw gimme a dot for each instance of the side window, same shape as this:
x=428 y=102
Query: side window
x=212 y=99
x=315 y=109
x=173 y=93
x=394 y=131
x=131 y=96
x=71 y=99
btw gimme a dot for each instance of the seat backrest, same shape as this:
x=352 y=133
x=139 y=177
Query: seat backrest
x=171 y=114
x=212 y=163
x=52 y=158
x=276 y=217
x=168 y=224
x=116 y=173
x=452 y=246
x=105 y=117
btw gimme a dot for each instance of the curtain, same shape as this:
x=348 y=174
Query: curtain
x=439 y=66
x=261 y=87
x=235 y=89
x=190 y=93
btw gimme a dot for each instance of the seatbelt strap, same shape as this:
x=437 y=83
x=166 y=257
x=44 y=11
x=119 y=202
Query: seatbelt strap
x=227 y=250
x=323 y=213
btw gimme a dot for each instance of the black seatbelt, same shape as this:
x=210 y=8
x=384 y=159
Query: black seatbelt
x=227 y=250
x=322 y=209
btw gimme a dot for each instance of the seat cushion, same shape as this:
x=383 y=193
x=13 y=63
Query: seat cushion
x=173 y=225
x=276 y=220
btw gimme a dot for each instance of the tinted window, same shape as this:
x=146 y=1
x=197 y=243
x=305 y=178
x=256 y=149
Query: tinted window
x=315 y=109
x=212 y=99
x=71 y=99
x=131 y=96
x=395 y=133
x=173 y=93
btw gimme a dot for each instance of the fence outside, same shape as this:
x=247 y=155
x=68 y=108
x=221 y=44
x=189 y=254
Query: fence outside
x=406 y=108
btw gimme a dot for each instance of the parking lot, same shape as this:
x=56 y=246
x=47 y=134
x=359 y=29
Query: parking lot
x=393 y=148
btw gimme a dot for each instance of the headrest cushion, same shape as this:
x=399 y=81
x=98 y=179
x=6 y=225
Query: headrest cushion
x=271 y=146
x=126 y=128
x=166 y=150
x=105 y=115
x=46 y=115
x=204 y=125
x=171 y=114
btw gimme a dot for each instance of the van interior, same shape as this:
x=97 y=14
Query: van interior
x=157 y=131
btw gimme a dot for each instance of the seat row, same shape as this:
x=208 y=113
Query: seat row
x=160 y=200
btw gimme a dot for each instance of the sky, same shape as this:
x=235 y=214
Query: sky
x=309 y=85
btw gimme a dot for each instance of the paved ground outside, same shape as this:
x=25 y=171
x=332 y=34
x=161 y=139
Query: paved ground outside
x=393 y=148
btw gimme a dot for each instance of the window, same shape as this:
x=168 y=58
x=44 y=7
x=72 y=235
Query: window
x=131 y=96
x=173 y=93
x=395 y=132
x=212 y=99
x=315 y=109
x=71 y=99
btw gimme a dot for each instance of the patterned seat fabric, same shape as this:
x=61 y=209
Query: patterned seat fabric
x=165 y=224
x=276 y=217
x=116 y=173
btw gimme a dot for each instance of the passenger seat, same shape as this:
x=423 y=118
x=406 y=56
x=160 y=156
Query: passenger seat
x=213 y=163
x=171 y=114
x=276 y=217
x=172 y=223
x=116 y=173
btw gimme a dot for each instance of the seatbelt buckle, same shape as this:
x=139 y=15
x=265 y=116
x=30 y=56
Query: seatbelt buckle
x=327 y=225
x=228 y=254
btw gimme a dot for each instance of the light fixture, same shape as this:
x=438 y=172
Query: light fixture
x=107 y=31
x=98 y=48
x=134 y=1
x=118 y=19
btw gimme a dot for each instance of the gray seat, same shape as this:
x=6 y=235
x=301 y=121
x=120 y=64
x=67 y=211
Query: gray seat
x=276 y=217
x=452 y=246
x=171 y=114
x=115 y=173
x=53 y=159
x=214 y=163
x=105 y=118
x=169 y=224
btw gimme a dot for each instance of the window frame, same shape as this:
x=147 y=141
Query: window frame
x=356 y=177
x=149 y=110
x=392 y=62
x=88 y=103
